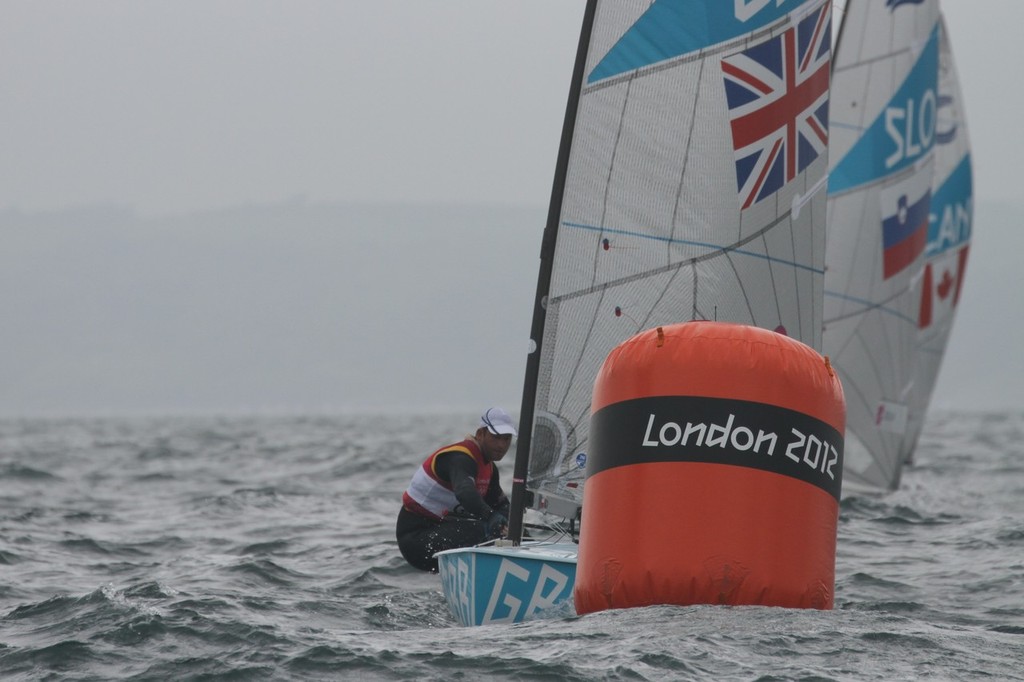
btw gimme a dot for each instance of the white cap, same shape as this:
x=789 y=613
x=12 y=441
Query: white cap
x=498 y=422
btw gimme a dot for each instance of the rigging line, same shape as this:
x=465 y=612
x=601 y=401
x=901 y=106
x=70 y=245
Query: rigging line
x=885 y=358
x=880 y=306
x=611 y=171
x=856 y=391
x=579 y=358
x=859 y=125
x=561 y=487
x=861 y=209
x=581 y=445
x=693 y=289
x=796 y=278
x=569 y=474
x=583 y=418
x=848 y=126
x=686 y=163
x=873 y=60
x=880 y=375
x=718 y=251
x=931 y=350
x=800 y=199
x=743 y=290
x=881 y=455
x=771 y=276
x=664 y=290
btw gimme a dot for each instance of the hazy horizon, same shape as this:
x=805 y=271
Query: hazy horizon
x=326 y=308
x=174 y=175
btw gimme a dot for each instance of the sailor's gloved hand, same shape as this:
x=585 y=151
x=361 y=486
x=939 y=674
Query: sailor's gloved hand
x=496 y=525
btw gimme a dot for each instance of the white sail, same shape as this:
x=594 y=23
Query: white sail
x=689 y=185
x=949 y=235
x=882 y=136
x=693 y=190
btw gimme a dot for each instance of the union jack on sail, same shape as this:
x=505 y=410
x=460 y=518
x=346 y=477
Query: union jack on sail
x=777 y=92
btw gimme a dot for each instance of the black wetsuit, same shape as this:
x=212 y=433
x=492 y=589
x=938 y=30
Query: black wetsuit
x=420 y=537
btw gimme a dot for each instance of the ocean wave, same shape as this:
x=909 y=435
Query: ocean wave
x=264 y=549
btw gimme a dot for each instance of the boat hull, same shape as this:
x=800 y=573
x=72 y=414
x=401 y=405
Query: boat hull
x=487 y=585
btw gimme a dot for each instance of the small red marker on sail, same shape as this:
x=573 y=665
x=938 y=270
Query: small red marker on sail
x=619 y=312
x=607 y=245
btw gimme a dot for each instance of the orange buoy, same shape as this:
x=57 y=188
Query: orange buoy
x=714 y=472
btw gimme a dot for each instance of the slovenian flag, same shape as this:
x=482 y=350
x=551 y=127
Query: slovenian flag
x=904 y=229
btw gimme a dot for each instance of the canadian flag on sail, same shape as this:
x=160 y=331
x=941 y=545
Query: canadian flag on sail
x=940 y=290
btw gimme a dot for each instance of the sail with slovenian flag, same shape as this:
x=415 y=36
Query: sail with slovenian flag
x=882 y=136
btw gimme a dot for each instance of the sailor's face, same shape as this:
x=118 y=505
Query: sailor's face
x=495 y=447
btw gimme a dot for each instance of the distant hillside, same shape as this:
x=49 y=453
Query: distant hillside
x=296 y=307
x=308 y=307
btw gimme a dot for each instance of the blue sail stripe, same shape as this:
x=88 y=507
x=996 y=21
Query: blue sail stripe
x=953 y=197
x=877 y=154
x=672 y=28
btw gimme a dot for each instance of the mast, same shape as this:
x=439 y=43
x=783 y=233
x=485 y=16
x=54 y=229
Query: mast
x=547 y=252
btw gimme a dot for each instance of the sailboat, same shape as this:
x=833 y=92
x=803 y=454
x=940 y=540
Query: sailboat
x=890 y=225
x=690 y=185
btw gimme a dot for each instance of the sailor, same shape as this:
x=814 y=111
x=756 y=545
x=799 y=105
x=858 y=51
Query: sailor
x=455 y=498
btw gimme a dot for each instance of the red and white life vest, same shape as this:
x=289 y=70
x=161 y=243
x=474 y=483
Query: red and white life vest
x=429 y=496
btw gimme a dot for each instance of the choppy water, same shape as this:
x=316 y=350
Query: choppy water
x=263 y=548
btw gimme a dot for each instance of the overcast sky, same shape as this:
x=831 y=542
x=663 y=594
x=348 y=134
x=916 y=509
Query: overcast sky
x=174 y=106
x=186 y=104
x=179 y=106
